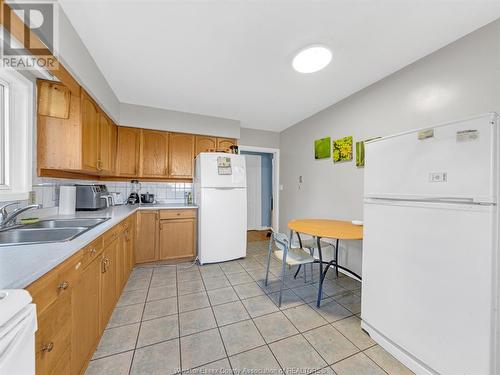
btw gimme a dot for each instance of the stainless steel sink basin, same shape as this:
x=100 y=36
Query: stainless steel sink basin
x=57 y=230
x=66 y=223
x=25 y=236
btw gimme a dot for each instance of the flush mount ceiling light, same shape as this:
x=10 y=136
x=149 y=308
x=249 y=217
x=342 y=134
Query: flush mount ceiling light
x=312 y=59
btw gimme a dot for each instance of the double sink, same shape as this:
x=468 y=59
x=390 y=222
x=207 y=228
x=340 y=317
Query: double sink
x=57 y=230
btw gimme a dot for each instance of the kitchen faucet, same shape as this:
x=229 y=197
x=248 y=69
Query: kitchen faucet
x=7 y=219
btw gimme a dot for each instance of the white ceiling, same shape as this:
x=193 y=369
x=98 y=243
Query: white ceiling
x=233 y=58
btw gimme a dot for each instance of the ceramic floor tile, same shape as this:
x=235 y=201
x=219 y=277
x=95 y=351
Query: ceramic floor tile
x=224 y=295
x=196 y=321
x=161 y=292
x=255 y=361
x=118 y=364
x=117 y=340
x=275 y=326
x=349 y=283
x=189 y=287
x=304 y=317
x=201 y=348
x=158 y=359
x=187 y=276
x=132 y=298
x=230 y=313
x=156 y=330
x=350 y=301
x=211 y=270
x=212 y=283
x=248 y=290
x=273 y=285
x=308 y=293
x=193 y=301
x=357 y=364
x=330 y=344
x=351 y=328
x=296 y=355
x=221 y=367
x=288 y=299
x=126 y=315
x=260 y=305
x=239 y=278
x=241 y=336
x=331 y=310
x=231 y=267
x=390 y=364
x=157 y=309
x=136 y=284
x=159 y=280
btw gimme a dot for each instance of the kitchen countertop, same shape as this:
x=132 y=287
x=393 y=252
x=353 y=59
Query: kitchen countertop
x=20 y=265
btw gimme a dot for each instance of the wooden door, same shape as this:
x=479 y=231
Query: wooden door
x=154 y=153
x=85 y=306
x=90 y=133
x=177 y=238
x=146 y=237
x=129 y=250
x=181 y=155
x=120 y=263
x=108 y=281
x=106 y=151
x=204 y=143
x=128 y=149
x=225 y=143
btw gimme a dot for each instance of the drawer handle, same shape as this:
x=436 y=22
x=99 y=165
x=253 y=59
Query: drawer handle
x=93 y=250
x=105 y=263
x=48 y=347
x=64 y=285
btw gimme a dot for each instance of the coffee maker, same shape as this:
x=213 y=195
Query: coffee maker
x=134 y=197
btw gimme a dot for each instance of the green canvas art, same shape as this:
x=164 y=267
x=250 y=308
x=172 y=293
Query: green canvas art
x=322 y=148
x=342 y=149
x=360 y=152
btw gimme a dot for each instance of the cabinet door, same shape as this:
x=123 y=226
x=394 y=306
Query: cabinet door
x=108 y=281
x=177 y=239
x=90 y=133
x=147 y=232
x=53 y=99
x=204 y=143
x=85 y=306
x=154 y=153
x=181 y=155
x=128 y=148
x=225 y=143
x=106 y=151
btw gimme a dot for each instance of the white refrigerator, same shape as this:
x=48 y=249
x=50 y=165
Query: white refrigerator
x=220 y=192
x=431 y=263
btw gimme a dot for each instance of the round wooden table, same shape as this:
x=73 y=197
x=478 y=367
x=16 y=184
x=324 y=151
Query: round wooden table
x=323 y=228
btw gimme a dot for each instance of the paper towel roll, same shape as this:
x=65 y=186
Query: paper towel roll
x=67 y=200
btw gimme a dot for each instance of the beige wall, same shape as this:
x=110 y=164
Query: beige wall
x=458 y=81
x=259 y=138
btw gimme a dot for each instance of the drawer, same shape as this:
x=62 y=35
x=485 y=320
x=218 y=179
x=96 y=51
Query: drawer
x=91 y=251
x=177 y=214
x=111 y=234
x=70 y=274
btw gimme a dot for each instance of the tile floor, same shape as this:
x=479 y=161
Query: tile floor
x=221 y=319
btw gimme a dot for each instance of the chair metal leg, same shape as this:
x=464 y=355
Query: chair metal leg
x=320 y=287
x=297 y=272
x=269 y=258
x=337 y=258
x=283 y=273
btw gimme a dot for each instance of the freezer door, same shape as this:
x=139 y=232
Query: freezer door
x=427 y=283
x=222 y=224
x=457 y=160
x=208 y=173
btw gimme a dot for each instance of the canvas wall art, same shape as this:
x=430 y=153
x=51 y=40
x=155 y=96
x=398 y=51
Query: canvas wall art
x=360 y=152
x=342 y=149
x=322 y=148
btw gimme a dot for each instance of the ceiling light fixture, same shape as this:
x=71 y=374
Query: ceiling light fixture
x=312 y=59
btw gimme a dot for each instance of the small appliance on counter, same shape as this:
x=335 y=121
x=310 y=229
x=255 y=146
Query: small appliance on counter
x=148 y=198
x=67 y=200
x=134 y=197
x=117 y=198
x=92 y=197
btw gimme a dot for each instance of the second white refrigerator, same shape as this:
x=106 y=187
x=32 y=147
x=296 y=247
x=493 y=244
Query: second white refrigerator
x=220 y=193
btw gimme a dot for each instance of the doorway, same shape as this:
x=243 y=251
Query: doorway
x=262 y=191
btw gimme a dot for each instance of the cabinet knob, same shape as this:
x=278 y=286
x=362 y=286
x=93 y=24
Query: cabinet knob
x=178 y=214
x=48 y=347
x=93 y=250
x=64 y=285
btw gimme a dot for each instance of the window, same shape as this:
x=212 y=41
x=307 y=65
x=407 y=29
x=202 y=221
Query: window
x=16 y=122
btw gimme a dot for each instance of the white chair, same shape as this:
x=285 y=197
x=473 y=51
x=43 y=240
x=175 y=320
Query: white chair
x=288 y=256
x=310 y=244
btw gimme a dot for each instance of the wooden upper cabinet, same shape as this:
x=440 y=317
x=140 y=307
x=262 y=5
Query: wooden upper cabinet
x=90 y=133
x=53 y=99
x=225 y=143
x=154 y=153
x=107 y=145
x=204 y=143
x=181 y=155
x=128 y=149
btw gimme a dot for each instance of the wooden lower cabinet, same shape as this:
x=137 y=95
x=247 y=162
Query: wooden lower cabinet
x=177 y=239
x=86 y=321
x=109 y=289
x=147 y=234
